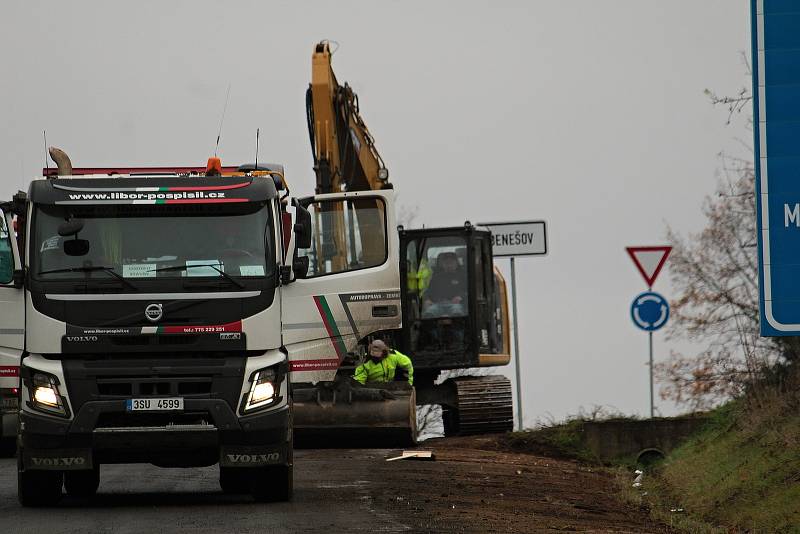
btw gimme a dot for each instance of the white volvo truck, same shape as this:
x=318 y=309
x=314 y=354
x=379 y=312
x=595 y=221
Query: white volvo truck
x=161 y=315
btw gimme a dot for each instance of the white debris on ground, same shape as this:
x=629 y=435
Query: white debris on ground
x=637 y=482
x=413 y=455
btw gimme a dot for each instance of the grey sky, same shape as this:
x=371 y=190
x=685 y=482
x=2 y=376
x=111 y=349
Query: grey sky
x=589 y=114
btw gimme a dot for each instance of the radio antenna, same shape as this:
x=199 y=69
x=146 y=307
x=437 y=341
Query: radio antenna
x=222 y=119
x=258 y=132
x=46 y=161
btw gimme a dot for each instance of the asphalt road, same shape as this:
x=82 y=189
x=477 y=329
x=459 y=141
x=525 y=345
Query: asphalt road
x=474 y=485
x=332 y=494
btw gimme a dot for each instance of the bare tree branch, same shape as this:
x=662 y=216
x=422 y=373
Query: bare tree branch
x=716 y=274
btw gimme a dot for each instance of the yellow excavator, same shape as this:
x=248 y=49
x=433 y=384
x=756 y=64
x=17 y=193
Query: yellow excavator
x=447 y=335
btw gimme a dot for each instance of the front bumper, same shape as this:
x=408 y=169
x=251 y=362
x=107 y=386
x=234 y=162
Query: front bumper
x=104 y=432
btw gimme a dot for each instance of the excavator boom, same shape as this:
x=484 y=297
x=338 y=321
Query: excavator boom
x=345 y=156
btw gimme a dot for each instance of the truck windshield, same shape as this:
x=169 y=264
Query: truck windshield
x=153 y=242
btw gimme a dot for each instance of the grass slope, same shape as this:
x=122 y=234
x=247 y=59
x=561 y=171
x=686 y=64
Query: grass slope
x=743 y=470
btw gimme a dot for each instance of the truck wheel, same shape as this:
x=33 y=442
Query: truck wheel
x=38 y=488
x=82 y=484
x=8 y=446
x=234 y=480
x=273 y=483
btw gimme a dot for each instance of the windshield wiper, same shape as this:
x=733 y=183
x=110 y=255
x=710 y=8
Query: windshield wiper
x=227 y=277
x=91 y=269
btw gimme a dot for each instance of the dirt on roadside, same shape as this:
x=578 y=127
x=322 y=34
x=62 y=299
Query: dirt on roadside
x=475 y=486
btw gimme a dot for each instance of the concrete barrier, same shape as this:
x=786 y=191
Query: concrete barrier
x=645 y=441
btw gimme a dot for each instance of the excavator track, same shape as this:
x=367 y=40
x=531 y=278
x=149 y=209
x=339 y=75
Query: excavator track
x=484 y=406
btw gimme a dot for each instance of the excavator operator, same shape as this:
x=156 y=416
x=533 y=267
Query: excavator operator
x=447 y=293
x=382 y=365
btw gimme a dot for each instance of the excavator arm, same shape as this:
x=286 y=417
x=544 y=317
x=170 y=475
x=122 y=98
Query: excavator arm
x=345 y=157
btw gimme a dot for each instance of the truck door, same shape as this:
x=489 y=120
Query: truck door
x=352 y=285
x=12 y=318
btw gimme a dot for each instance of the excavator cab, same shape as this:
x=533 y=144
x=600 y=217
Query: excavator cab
x=449 y=301
x=455 y=317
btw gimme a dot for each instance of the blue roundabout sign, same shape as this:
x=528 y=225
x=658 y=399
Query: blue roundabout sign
x=649 y=311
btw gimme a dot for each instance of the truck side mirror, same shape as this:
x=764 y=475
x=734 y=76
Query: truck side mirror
x=302 y=228
x=300 y=266
x=285 y=275
x=18 y=278
x=20 y=204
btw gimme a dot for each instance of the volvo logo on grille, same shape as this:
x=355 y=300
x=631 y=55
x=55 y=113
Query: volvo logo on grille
x=153 y=312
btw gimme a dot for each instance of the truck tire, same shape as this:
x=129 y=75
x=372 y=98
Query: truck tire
x=234 y=480
x=8 y=446
x=38 y=488
x=82 y=484
x=273 y=483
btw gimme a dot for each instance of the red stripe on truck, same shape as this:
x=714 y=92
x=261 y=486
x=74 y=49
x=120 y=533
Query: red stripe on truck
x=9 y=371
x=201 y=329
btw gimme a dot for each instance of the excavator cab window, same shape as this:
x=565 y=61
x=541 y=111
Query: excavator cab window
x=438 y=290
x=442 y=278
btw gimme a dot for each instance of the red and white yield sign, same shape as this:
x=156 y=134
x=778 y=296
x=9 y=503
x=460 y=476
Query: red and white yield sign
x=649 y=261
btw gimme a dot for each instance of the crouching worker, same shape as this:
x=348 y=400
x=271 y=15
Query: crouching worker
x=382 y=365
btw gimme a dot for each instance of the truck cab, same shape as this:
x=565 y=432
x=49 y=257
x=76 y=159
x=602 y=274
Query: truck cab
x=161 y=316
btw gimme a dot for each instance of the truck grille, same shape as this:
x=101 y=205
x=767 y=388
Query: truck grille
x=197 y=376
x=144 y=340
x=116 y=387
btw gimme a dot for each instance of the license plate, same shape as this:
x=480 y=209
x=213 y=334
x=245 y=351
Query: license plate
x=9 y=404
x=155 y=405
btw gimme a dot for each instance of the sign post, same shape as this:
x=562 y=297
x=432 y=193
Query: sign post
x=517 y=372
x=512 y=239
x=649 y=310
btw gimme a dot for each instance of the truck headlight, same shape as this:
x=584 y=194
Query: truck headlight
x=263 y=390
x=44 y=394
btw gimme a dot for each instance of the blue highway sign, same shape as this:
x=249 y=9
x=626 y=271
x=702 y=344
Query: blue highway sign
x=649 y=311
x=776 y=112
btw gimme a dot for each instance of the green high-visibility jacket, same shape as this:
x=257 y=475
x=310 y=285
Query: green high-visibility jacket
x=419 y=279
x=383 y=371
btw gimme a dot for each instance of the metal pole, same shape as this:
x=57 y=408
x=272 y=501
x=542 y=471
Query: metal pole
x=652 y=406
x=516 y=344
